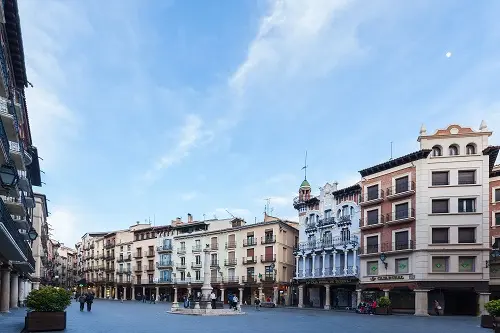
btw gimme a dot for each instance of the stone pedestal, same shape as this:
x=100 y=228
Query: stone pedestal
x=421 y=302
x=261 y=293
x=222 y=295
x=275 y=295
x=240 y=298
x=206 y=289
x=5 y=289
x=483 y=299
x=358 y=296
x=386 y=292
x=197 y=305
x=14 y=290
x=175 y=304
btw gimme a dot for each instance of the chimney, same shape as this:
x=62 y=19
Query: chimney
x=190 y=218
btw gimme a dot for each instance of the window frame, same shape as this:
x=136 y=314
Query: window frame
x=446 y=261
x=447 y=172
x=440 y=199
x=447 y=235
x=467 y=228
x=462 y=205
x=396 y=265
x=474 y=175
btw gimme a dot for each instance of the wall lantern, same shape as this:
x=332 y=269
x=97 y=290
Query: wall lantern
x=8 y=176
x=383 y=258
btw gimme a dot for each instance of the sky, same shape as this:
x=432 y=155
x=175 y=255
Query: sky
x=153 y=109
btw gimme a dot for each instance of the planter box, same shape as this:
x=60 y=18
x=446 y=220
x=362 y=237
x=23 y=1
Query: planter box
x=383 y=311
x=45 y=321
x=487 y=321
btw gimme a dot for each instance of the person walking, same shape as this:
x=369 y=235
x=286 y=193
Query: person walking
x=89 y=300
x=152 y=299
x=212 y=299
x=257 y=303
x=230 y=300
x=437 y=307
x=82 y=299
x=235 y=302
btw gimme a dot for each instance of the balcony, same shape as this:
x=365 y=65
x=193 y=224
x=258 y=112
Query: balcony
x=124 y=271
x=268 y=258
x=121 y=259
x=19 y=155
x=232 y=279
x=181 y=266
x=214 y=246
x=109 y=245
x=372 y=198
x=15 y=206
x=110 y=268
x=181 y=250
x=249 y=242
x=343 y=221
x=268 y=278
x=195 y=265
x=165 y=280
x=215 y=279
x=149 y=268
x=249 y=260
x=214 y=264
x=400 y=191
x=138 y=255
x=230 y=262
x=137 y=268
x=109 y=257
x=402 y=216
x=164 y=264
x=197 y=248
x=150 y=254
x=311 y=227
x=387 y=247
x=372 y=222
x=248 y=279
x=164 y=248
x=231 y=245
x=326 y=222
x=268 y=239
x=92 y=246
x=9 y=119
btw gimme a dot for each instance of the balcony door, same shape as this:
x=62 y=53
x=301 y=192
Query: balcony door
x=165 y=258
x=250 y=254
x=167 y=242
x=231 y=273
x=231 y=239
x=166 y=275
x=269 y=253
x=231 y=256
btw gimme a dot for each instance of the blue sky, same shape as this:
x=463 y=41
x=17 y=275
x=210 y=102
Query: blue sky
x=156 y=108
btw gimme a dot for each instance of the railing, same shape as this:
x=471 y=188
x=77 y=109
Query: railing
x=366 y=221
x=215 y=279
x=138 y=255
x=150 y=254
x=109 y=257
x=195 y=265
x=250 y=242
x=214 y=263
x=268 y=278
x=164 y=248
x=249 y=260
x=109 y=245
x=268 y=258
x=248 y=279
x=124 y=271
x=232 y=279
x=231 y=245
x=328 y=242
x=164 y=263
x=214 y=246
x=387 y=247
x=400 y=215
x=230 y=262
x=181 y=250
x=311 y=227
x=110 y=268
x=268 y=239
x=137 y=268
x=181 y=266
x=149 y=268
x=400 y=189
x=165 y=280
x=196 y=249
x=372 y=197
x=326 y=222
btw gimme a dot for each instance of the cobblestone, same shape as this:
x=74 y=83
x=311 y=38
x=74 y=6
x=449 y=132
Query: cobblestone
x=137 y=317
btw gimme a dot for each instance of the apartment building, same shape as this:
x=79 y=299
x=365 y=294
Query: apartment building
x=144 y=257
x=39 y=246
x=494 y=205
x=327 y=261
x=19 y=168
x=65 y=264
x=431 y=241
x=258 y=258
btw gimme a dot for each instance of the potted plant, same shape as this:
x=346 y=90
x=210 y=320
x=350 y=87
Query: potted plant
x=491 y=320
x=46 y=309
x=383 y=306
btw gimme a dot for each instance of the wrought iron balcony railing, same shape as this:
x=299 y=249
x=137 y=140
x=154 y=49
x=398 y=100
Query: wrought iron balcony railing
x=231 y=245
x=387 y=247
x=164 y=248
x=268 y=258
x=230 y=262
x=250 y=241
x=400 y=189
x=249 y=260
x=268 y=239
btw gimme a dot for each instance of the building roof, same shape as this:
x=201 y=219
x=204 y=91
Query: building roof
x=492 y=151
x=347 y=190
x=15 y=40
x=420 y=154
x=305 y=183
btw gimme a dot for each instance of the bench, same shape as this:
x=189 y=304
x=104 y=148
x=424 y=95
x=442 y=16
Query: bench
x=267 y=305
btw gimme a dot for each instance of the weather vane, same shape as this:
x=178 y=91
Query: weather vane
x=305 y=167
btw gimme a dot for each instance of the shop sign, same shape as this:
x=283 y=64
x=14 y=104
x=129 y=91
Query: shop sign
x=329 y=281
x=391 y=277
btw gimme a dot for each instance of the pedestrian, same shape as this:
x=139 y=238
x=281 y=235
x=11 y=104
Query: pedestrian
x=230 y=300
x=152 y=299
x=82 y=299
x=257 y=303
x=212 y=299
x=235 y=302
x=437 y=307
x=89 y=300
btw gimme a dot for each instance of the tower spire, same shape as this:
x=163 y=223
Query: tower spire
x=305 y=167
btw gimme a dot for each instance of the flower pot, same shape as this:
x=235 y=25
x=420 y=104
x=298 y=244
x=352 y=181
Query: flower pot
x=45 y=321
x=383 y=311
x=487 y=321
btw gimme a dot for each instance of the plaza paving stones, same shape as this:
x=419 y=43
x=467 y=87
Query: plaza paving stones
x=137 y=317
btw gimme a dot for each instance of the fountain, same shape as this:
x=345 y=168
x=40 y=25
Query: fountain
x=203 y=306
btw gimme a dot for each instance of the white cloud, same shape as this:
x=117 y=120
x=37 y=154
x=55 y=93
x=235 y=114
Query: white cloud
x=65 y=226
x=188 y=196
x=281 y=178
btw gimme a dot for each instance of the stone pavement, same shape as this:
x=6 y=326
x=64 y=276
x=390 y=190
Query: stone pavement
x=137 y=317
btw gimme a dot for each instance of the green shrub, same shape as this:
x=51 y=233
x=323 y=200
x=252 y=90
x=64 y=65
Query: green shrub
x=384 y=302
x=48 y=299
x=493 y=307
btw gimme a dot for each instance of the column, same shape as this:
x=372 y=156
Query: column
x=334 y=262
x=345 y=262
x=421 y=303
x=327 y=297
x=21 y=291
x=157 y=293
x=296 y=266
x=323 y=255
x=5 y=289
x=116 y=293
x=275 y=295
x=36 y=286
x=14 y=292
x=313 y=270
x=222 y=295
x=241 y=297
x=133 y=293
x=354 y=261
x=175 y=305
x=189 y=289
x=143 y=292
x=386 y=292
x=261 y=294
x=483 y=298
x=301 y=296
x=124 y=293
x=358 y=296
x=303 y=265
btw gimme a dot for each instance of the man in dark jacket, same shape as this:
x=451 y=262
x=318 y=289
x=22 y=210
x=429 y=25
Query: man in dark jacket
x=82 y=299
x=89 y=300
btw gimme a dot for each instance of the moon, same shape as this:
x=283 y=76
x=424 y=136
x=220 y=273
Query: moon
x=448 y=54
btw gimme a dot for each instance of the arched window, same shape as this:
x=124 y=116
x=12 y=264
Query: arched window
x=437 y=151
x=327 y=238
x=339 y=213
x=453 y=150
x=470 y=149
x=351 y=212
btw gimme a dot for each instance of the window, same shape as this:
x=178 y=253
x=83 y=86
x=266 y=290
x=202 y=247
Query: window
x=183 y=246
x=466 y=177
x=327 y=238
x=198 y=260
x=372 y=268
x=470 y=149
x=402 y=211
x=401 y=239
x=466 y=264
x=197 y=275
x=466 y=205
x=372 y=216
x=497 y=194
x=466 y=235
x=440 y=206
x=402 y=266
x=440 y=264
x=183 y=261
x=437 y=151
x=440 y=235
x=372 y=192
x=183 y=276
x=453 y=150
x=402 y=184
x=372 y=244
x=497 y=218
x=440 y=178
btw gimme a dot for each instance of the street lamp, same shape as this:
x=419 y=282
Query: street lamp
x=32 y=234
x=8 y=176
x=383 y=258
